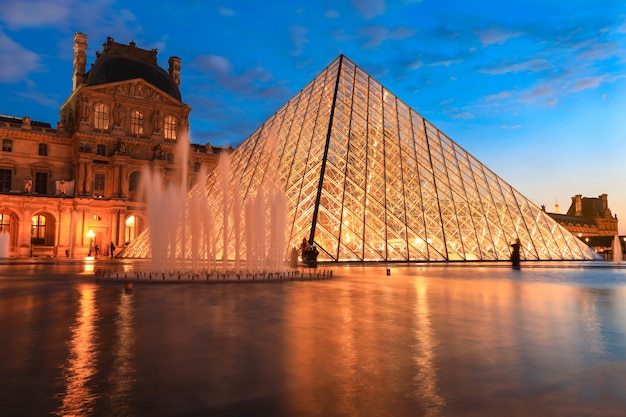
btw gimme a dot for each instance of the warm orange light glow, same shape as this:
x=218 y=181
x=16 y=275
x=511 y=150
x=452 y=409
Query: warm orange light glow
x=81 y=363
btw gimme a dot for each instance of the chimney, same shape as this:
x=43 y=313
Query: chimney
x=604 y=198
x=578 y=204
x=80 y=59
x=174 y=70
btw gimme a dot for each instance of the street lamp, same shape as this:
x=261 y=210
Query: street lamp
x=90 y=235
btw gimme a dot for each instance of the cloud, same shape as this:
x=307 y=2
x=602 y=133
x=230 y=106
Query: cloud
x=369 y=9
x=331 y=14
x=531 y=65
x=225 y=11
x=495 y=35
x=586 y=83
x=503 y=126
x=213 y=63
x=16 y=62
x=498 y=96
x=375 y=35
x=44 y=99
x=298 y=36
x=540 y=91
x=19 y=14
x=463 y=115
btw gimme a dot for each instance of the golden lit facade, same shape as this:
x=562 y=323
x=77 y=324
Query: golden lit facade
x=367 y=178
x=70 y=188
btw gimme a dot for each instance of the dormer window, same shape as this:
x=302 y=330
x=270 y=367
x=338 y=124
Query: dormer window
x=101 y=116
x=170 y=128
x=136 y=122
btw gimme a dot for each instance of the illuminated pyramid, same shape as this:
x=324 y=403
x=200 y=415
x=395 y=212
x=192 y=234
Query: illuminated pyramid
x=367 y=178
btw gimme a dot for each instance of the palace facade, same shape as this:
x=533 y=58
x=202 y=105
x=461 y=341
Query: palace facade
x=591 y=220
x=68 y=189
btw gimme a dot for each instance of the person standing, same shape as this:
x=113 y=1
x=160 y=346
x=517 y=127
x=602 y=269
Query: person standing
x=515 y=255
x=111 y=249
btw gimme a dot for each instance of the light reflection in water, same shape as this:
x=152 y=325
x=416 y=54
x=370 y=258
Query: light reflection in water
x=79 y=398
x=425 y=343
x=591 y=326
x=122 y=378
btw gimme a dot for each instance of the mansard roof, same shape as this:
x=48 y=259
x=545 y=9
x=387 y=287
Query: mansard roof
x=119 y=62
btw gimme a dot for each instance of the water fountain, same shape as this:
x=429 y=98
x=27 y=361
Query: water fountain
x=186 y=227
x=617 y=250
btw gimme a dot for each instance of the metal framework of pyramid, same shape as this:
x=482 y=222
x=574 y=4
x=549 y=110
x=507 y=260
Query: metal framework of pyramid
x=367 y=178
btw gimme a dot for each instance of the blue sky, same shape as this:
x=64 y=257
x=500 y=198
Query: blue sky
x=534 y=89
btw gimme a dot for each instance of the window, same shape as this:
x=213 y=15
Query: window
x=170 y=158
x=129 y=233
x=136 y=122
x=43 y=149
x=133 y=185
x=101 y=150
x=98 y=185
x=41 y=182
x=84 y=147
x=38 y=230
x=5 y=179
x=7 y=145
x=101 y=116
x=170 y=128
x=5 y=222
x=196 y=166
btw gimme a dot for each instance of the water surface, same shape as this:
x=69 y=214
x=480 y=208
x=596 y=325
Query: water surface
x=480 y=340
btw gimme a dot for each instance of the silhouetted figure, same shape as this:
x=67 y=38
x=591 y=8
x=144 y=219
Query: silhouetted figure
x=112 y=249
x=305 y=245
x=293 y=258
x=515 y=256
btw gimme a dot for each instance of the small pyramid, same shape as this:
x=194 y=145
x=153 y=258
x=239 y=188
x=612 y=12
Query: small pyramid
x=367 y=178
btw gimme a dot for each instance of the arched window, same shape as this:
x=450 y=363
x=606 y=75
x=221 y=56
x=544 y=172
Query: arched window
x=38 y=230
x=131 y=227
x=101 y=116
x=5 y=222
x=136 y=122
x=170 y=128
x=133 y=185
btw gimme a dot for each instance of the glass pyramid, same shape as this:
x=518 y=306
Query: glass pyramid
x=367 y=178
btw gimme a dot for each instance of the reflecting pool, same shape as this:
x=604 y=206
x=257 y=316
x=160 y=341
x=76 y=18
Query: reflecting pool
x=477 y=340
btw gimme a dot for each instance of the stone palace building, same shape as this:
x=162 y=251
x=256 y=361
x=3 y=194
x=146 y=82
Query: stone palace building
x=65 y=190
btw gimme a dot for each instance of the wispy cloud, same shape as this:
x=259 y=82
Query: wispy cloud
x=16 y=62
x=213 y=63
x=225 y=11
x=19 y=14
x=505 y=67
x=298 y=36
x=375 y=35
x=368 y=9
x=47 y=100
x=331 y=14
x=495 y=35
x=586 y=83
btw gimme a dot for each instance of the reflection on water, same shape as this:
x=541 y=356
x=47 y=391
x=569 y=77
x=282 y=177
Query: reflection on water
x=423 y=341
x=80 y=395
x=123 y=373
